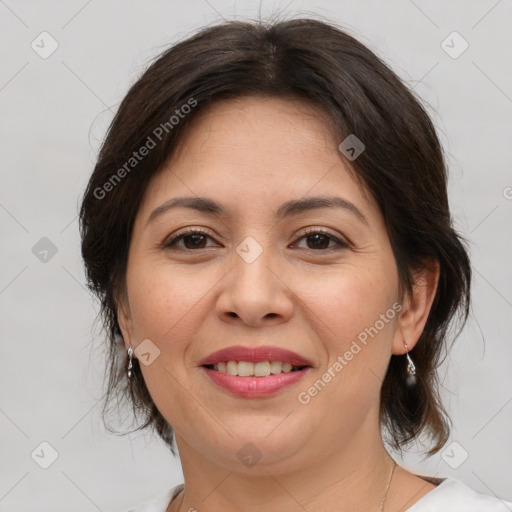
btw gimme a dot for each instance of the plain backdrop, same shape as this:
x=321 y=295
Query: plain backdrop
x=54 y=113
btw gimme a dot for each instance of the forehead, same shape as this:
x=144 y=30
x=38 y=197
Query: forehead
x=248 y=122
x=256 y=150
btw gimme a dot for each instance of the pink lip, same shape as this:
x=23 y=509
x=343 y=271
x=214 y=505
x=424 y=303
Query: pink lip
x=255 y=355
x=255 y=387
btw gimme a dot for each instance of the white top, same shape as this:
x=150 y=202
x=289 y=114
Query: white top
x=451 y=495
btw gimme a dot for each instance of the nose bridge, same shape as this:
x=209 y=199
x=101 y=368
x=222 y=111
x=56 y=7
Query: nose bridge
x=252 y=261
x=253 y=291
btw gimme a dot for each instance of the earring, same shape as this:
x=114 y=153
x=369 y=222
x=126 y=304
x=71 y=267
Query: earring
x=411 y=369
x=130 y=355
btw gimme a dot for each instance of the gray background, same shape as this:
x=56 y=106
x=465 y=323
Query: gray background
x=54 y=113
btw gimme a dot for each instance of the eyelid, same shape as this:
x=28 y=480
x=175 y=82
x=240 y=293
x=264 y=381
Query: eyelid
x=171 y=241
x=189 y=230
x=341 y=241
x=316 y=229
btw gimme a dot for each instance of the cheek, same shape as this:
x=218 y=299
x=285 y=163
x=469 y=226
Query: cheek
x=167 y=307
x=344 y=314
x=165 y=302
x=356 y=343
x=350 y=301
x=355 y=320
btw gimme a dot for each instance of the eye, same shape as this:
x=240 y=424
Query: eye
x=192 y=239
x=196 y=239
x=319 y=239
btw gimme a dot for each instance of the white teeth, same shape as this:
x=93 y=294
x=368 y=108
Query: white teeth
x=248 y=369
x=262 y=369
x=245 y=369
x=287 y=367
x=232 y=368
x=276 y=367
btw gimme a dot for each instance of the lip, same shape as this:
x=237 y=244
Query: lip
x=255 y=387
x=255 y=355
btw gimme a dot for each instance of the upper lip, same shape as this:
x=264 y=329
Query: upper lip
x=255 y=355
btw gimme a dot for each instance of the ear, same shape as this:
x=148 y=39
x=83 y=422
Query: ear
x=416 y=307
x=124 y=318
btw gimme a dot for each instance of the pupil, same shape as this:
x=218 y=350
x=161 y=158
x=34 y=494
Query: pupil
x=319 y=241
x=195 y=238
x=318 y=238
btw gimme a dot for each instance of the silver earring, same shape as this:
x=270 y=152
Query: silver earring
x=130 y=355
x=411 y=369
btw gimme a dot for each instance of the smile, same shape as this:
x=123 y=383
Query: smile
x=256 y=380
x=255 y=371
x=260 y=369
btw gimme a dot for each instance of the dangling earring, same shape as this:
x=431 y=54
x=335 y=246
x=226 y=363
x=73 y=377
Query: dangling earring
x=130 y=355
x=411 y=369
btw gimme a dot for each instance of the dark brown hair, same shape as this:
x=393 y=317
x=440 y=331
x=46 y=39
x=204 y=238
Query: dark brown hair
x=402 y=167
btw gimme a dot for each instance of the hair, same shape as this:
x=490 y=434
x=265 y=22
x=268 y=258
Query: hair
x=402 y=167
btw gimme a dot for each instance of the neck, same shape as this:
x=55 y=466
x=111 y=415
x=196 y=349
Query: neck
x=349 y=477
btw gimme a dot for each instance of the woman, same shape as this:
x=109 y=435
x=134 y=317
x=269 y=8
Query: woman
x=268 y=231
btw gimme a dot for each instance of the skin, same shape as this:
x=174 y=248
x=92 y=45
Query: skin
x=251 y=155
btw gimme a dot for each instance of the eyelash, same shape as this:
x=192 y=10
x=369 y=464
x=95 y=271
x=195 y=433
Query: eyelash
x=310 y=232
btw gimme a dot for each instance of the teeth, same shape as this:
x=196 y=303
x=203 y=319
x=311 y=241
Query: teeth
x=245 y=369
x=276 y=367
x=232 y=368
x=248 y=369
x=262 y=369
x=287 y=367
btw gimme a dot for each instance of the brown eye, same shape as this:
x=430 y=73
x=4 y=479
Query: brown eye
x=195 y=241
x=192 y=239
x=320 y=240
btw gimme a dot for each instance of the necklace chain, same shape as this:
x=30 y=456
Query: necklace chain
x=381 y=504
x=387 y=488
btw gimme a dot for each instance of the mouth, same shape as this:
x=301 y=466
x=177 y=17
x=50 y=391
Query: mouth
x=250 y=369
x=255 y=372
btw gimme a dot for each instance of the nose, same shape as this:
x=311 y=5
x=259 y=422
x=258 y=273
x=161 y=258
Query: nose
x=254 y=293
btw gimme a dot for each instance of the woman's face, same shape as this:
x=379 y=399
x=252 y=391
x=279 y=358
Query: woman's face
x=260 y=274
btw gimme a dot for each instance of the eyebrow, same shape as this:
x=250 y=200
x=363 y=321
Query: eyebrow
x=287 y=209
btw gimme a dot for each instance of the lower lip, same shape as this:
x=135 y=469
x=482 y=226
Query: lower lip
x=255 y=387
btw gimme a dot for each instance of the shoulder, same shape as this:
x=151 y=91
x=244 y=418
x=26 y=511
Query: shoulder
x=452 y=495
x=160 y=502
